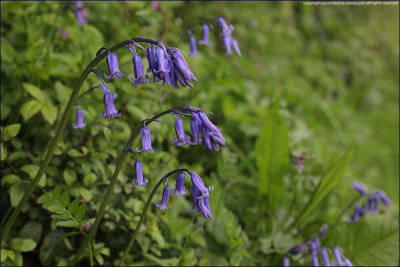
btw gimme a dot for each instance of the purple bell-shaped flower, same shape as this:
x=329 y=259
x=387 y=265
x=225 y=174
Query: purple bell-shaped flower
x=146 y=141
x=181 y=139
x=139 y=174
x=79 y=120
x=109 y=108
x=205 y=30
x=165 y=196
x=180 y=185
x=112 y=63
x=193 y=47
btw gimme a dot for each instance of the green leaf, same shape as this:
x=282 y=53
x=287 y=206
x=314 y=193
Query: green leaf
x=328 y=182
x=89 y=178
x=81 y=213
x=69 y=176
x=69 y=223
x=56 y=208
x=64 y=199
x=10 y=131
x=52 y=246
x=86 y=194
x=74 y=153
x=29 y=109
x=3 y=255
x=32 y=171
x=3 y=152
x=56 y=192
x=23 y=245
x=36 y=92
x=10 y=179
x=11 y=255
x=73 y=207
x=272 y=158
x=32 y=230
x=43 y=199
x=49 y=113
x=17 y=192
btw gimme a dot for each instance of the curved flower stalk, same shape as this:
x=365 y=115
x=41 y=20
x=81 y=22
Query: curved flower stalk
x=315 y=250
x=58 y=133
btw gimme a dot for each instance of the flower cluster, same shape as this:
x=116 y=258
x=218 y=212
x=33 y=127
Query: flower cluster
x=200 y=193
x=165 y=63
x=315 y=250
x=226 y=33
x=371 y=205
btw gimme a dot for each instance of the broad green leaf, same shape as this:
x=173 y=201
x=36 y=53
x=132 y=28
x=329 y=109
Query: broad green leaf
x=69 y=223
x=29 y=109
x=81 y=213
x=86 y=194
x=23 y=244
x=10 y=131
x=89 y=178
x=73 y=207
x=10 y=179
x=17 y=192
x=32 y=171
x=56 y=192
x=3 y=255
x=52 y=246
x=11 y=255
x=327 y=183
x=69 y=176
x=32 y=230
x=64 y=199
x=74 y=153
x=49 y=113
x=56 y=208
x=36 y=92
x=272 y=158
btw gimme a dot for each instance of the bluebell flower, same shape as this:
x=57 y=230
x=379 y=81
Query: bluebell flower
x=323 y=229
x=172 y=77
x=313 y=248
x=139 y=174
x=195 y=127
x=222 y=23
x=79 y=17
x=146 y=140
x=347 y=262
x=206 y=122
x=299 y=248
x=163 y=203
x=182 y=71
x=314 y=261
x=138 y=68
x=226 y=41
x=204 y=206
x=286 y=262
x=79 y=120
x=235 y=46
x=195 y=196
x=205 y=30
x=199 y=184
x=112 y=63
x=180 y=185
x=384 y=198
x=206 y=137
x=358 y=213
x=181 y=139
x=193 y=48
x=161 y=61
x=373 y=204
x=78 y=4
x=338 y=256
x=357 y=186
x=325 y=257
x=109 y=108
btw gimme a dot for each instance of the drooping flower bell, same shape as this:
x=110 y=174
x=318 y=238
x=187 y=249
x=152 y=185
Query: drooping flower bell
x=195 y=196
x=79 y=120
x=357 y=186
x=205 y=30
x=181 y=139
x=384 y=198
x=199 y=184
x=325 y=257
x=286 y=262
x=235 y=46
x=161 y=61
x=109 y=108
x=139 y=174
x=322 y=231
x=193 y=47
x=204 y=206
x=195 y=127
x=373 y=204
x=180 y=185
x=138 y=68
x=183 y=74
x=165 y=196
x=226 y=41
x=81 y=20
x=314 y=261
x=222 y=23
x=78 y=4
x=112 y=63
x=347 y=262
x=299 y=248
x=338 y=257
x=146 y=140
x=358 y=213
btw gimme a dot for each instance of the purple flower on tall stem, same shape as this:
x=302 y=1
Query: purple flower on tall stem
x=226 y=41
x=112 y=63
x=195 y=195
x=181 y=139
x=384 y=198
x=205 y=30
x=109 y=108
x=195 y=127
x=138 y=68
x=79 y=120
x=139 y=174
x=193 y=48
x=180 y=185
x=182 y=71
x=338 y=256
x=357 y=186
x=161 y=61
x=286 y=262
x=146 y=140
x=165 y=196
x=204 y=206
x=222 y=23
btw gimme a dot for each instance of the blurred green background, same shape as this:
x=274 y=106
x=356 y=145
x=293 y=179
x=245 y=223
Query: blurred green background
x=321 y=80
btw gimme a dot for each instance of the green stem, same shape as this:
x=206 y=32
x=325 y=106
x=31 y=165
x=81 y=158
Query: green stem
x=90 y=254
x=118 y=167
x=146 y=206
x=5 y=231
